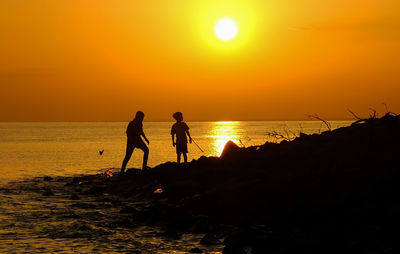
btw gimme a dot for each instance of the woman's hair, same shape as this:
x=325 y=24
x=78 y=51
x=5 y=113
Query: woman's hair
x=178 y=116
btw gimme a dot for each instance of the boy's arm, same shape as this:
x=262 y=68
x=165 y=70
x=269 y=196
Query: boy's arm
x=173 y=140
x=190 y=138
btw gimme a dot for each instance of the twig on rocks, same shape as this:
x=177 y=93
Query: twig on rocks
x=356 y=116
x=326 y=123
x=374 y=115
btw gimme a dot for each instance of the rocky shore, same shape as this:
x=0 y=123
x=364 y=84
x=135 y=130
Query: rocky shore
x=334 y=192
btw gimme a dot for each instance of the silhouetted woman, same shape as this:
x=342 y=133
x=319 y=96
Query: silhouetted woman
x=134 y=133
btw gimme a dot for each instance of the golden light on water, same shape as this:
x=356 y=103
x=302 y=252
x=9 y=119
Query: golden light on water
x=222 y=132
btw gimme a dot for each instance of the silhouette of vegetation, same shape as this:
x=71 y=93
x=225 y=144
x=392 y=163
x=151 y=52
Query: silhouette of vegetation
x=326 y=123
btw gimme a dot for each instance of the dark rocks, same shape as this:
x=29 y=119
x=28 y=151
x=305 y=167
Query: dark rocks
x=47 y=178
x=114 y=202
x=95 y=190
x=48 y=193
x=74 y=197
x=83 y=205
x=104 y=200
x=124 y=222
x=233 y=249
x=128 y=209
x=202 y=225
x=69 y=235
x=235 y=241
x=172 y=234
x=195 y=250
x=84 y=227
x=210 y=239
x=95 y=215
x=72 y=215
x=77 y=179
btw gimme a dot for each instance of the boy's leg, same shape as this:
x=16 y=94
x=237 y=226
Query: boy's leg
x=184 y=151
x=128 y=154
x=178 y=157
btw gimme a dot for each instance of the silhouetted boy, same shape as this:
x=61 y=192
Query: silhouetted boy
x=134 y=133
x=180 y=129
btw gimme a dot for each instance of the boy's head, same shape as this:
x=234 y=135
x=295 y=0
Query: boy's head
x=139 y=115
x=178 y=116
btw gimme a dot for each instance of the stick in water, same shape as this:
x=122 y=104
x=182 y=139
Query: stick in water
x=197 y=146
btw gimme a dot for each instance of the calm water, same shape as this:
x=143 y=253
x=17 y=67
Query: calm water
x=32 y=221
x=61 y=149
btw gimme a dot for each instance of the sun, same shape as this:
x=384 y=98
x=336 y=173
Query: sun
x=226 y=29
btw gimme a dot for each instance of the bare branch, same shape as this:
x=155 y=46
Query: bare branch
x=287 y=133
x=387 y=110
x=374 y=115
x=301 y=128
x=356 y=116
x=277 y=136
x=327 y=124
x=386 y=107
x=294 y=134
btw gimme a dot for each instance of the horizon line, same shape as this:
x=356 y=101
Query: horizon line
x=166 y=121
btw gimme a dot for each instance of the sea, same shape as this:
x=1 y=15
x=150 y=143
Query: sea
x=35 y=222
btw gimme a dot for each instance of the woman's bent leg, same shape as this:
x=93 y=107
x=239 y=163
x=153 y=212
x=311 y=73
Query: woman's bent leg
x=145 y=150
x=128 y=154
x=145 y=157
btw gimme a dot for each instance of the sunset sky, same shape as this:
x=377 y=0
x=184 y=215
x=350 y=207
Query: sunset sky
x=98 y=60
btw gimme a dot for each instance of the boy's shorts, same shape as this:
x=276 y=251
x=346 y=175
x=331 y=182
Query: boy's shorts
x=181 y=148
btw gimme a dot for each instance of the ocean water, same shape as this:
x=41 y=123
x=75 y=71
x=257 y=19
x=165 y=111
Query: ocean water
x=39 y=215
x=63 y=149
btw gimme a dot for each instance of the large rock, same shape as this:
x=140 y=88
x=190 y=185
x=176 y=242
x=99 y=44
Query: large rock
x=230 y=150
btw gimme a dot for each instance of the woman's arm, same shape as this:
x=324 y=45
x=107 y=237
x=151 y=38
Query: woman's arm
x=145 y=138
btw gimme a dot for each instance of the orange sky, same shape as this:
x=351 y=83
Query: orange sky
x=98 y=60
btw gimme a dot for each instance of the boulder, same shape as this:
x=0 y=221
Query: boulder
x=230 y=149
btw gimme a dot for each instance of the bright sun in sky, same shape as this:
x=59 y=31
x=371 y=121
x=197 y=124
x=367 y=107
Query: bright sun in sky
x=226 y=29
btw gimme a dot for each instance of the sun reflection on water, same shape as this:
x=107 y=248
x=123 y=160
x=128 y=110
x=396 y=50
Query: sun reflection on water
x=222 y=132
